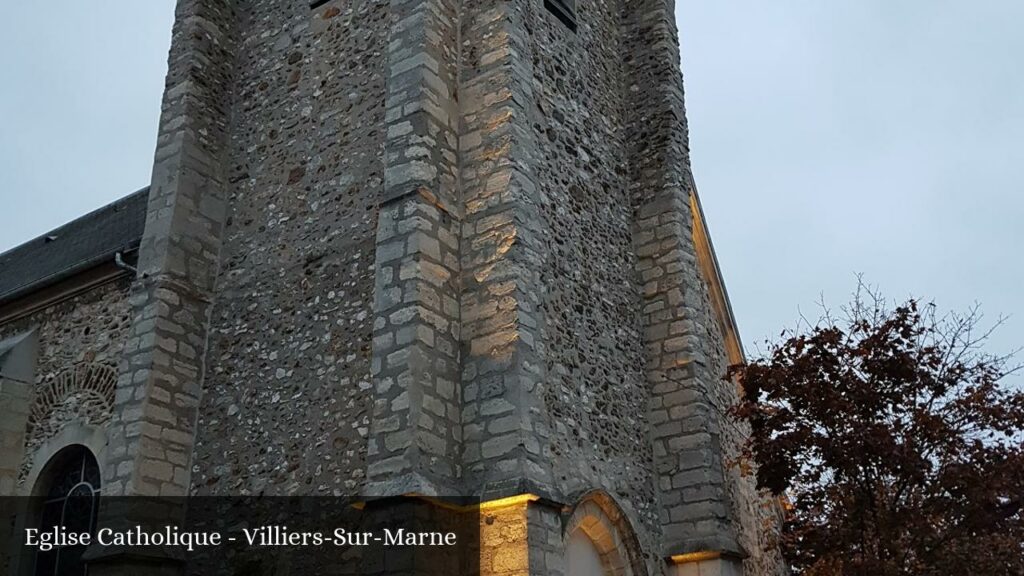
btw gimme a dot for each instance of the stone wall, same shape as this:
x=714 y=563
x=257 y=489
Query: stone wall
x=415 y=444
x=756 y=516
x=504 y=424
x=80 y=343
x=596 y=395
x=287 y=393
x=426 y=246
x=161 y=372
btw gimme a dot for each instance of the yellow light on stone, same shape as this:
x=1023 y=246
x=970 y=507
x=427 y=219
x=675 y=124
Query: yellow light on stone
x=699 y=556
x=509 y=501
x=504 y=549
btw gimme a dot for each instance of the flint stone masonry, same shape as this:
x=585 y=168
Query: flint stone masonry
x=288 y=390
x=428 y=247
x=77 y=345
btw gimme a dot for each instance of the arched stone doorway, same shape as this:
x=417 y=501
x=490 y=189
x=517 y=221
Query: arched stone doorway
x=599 y=540
x=582 y=557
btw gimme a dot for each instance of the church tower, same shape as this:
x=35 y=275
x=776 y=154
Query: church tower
x=437 y=247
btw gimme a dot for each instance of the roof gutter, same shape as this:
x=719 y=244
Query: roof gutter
x=70 y=271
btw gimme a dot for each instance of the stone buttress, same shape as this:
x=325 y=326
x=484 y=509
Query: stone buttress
x=437 y=247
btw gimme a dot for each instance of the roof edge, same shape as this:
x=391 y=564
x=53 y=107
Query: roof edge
x=67 y=273
x=66 y=262
x=140 y=192
x=712 y=272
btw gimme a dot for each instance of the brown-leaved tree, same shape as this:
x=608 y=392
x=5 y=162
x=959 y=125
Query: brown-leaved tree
x=895 y=441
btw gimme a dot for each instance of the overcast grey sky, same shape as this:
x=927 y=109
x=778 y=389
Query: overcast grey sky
x=829 y=137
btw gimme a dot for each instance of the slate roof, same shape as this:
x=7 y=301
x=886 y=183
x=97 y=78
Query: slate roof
x=74 y=247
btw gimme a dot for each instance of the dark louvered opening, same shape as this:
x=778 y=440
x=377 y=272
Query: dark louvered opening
x=564 y=10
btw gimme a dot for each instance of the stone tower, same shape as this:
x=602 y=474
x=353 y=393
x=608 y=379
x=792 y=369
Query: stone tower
x=428 y=247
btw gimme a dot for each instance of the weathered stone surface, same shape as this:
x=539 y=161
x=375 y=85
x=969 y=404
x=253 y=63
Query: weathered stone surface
x=80 y=343
x=426 y=246
x=288 y=389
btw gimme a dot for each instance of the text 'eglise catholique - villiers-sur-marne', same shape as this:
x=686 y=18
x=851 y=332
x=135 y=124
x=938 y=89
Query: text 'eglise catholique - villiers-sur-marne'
x=48 y=539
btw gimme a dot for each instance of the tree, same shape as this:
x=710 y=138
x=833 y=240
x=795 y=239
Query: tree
x=895 y=440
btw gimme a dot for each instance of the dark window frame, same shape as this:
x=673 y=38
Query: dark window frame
x=70 y=499
x=564 y=10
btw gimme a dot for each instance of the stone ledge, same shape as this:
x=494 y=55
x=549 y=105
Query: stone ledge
x=720 y=545
x=429 y=197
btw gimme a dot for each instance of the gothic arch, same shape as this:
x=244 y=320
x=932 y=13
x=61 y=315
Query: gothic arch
x=604 y=523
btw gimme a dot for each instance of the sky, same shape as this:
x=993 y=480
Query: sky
x=829 y=139
x=843 y=137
